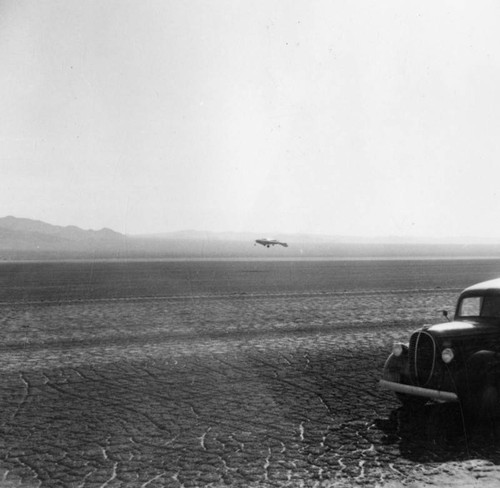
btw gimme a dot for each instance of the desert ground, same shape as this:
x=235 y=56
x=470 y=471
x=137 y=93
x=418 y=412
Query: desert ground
x=258 y=374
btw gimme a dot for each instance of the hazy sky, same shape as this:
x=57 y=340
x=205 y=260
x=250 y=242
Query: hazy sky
x=336 y=117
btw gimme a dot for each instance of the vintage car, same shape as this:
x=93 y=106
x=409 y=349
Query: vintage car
x=456 y=361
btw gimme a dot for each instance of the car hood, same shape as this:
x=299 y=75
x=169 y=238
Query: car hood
x=462 y=328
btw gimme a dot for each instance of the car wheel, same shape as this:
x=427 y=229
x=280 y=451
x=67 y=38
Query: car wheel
x=489 y=400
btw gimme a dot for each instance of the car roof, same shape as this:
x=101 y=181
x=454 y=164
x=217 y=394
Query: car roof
x=485 y=285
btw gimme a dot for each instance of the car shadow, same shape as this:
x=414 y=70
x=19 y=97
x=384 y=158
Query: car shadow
x=441 y=433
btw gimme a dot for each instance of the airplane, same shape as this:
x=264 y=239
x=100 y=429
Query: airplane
x=270 y=242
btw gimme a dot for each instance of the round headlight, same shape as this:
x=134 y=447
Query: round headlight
x=397 y=349
x=447 y=355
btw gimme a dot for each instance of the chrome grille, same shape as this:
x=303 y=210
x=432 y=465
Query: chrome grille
x=421 y=355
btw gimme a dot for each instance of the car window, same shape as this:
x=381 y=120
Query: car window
x=470 y=307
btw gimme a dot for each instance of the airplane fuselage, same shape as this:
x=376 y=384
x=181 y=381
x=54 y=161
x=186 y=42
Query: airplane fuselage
x=270 y=242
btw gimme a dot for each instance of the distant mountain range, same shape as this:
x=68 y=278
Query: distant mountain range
x=27 y=227
x=27 y=239
x=319 y=238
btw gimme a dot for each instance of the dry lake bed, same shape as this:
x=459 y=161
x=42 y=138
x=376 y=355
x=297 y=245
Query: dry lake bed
x=226 y=373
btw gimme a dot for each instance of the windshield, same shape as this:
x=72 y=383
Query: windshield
x=480 y=306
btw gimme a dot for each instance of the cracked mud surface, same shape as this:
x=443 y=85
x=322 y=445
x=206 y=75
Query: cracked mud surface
x=263 y=390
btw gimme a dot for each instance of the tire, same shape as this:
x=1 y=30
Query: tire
x=479 y=384
x=488 y=398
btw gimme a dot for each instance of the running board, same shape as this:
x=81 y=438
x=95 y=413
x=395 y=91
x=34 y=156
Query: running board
x=442 y=396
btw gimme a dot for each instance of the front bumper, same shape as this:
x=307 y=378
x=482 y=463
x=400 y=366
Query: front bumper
x=438 y=395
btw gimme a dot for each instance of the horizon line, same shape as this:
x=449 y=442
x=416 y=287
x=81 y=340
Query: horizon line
x=345 y=238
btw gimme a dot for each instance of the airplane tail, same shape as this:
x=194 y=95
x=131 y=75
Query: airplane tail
x=284 y=244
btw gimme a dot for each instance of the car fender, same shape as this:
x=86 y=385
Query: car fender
x=481 y=368
x=395 y=367
x=481 y=364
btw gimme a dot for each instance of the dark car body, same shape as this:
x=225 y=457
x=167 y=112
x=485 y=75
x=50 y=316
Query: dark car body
x=453 y=361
